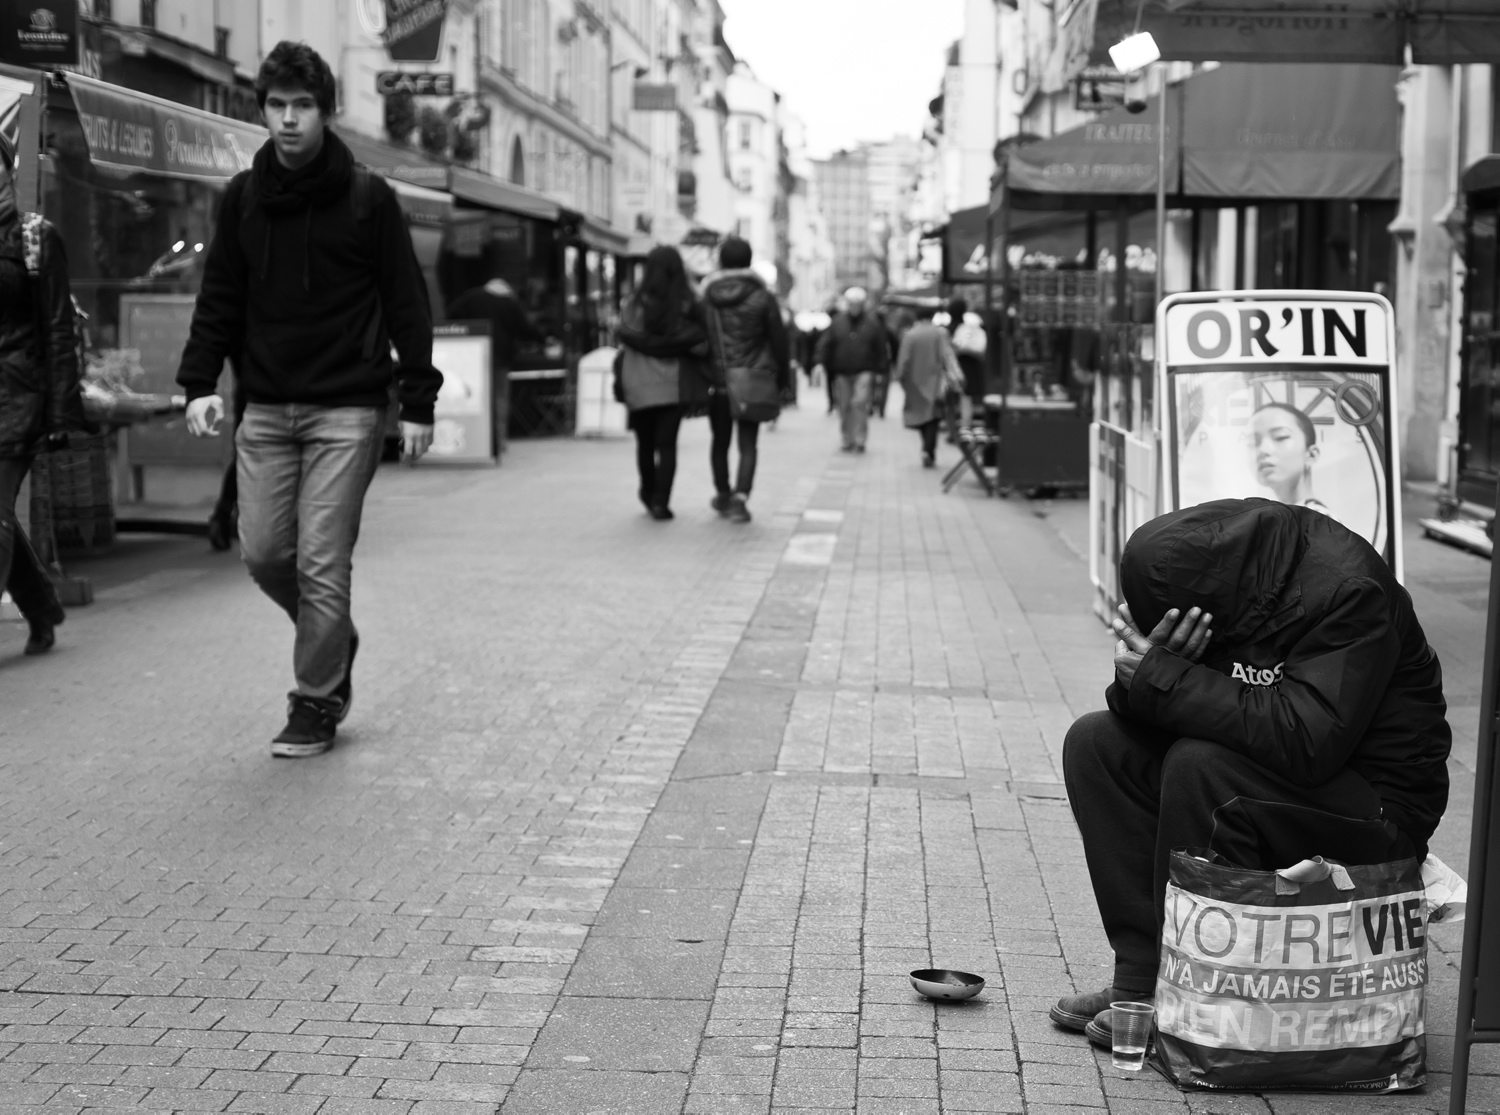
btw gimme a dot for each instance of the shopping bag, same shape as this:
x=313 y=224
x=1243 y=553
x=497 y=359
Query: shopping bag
x=1312 y=978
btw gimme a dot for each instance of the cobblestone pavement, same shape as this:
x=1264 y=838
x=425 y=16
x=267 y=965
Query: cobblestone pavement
x=629 y=817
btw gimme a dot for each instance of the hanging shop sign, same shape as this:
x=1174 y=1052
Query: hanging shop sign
x=1284 y=395
x=126 y=130
x=388 y=83
x=414 y=29
x=39 y=32
x=654 y=97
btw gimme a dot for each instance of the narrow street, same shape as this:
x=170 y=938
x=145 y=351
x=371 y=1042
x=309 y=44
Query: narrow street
x=628 y=816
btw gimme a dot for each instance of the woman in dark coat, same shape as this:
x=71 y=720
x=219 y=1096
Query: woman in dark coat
x=661 y=371
x=39 y=397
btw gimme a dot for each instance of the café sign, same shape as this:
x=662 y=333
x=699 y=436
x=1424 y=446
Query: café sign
x=39 y=32
x=388 y=83
x=133 y=131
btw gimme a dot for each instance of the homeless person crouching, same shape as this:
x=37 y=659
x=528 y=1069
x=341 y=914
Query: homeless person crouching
x=1285 y=704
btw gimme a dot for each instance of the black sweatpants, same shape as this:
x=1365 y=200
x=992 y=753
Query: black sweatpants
x=929 y=432
x=1138 y=794
x=656 y=451
x=724 y=427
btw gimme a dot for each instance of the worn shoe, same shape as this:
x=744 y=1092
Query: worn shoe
x=1076 y=1012
x=928 y=461
x=310 y=728
x=1100 y=1030
x=43 y=631
x=859 y=448
x=721 y=502
x=344 y=694
x=661 y=512
x=738 y=512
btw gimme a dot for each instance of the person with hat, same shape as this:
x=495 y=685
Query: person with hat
x=40 y=401
x=852 y=353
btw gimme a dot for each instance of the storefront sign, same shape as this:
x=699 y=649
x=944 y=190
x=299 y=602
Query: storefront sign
x=648 y=97
x=39 y=32
x=1284 y=395
x=414 y=29
x=463 y=428
x=390 y=82
x=126 y=130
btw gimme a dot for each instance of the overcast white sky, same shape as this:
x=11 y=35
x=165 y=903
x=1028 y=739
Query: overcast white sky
x=852 y=69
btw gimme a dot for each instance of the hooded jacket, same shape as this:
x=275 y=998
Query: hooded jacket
x=748 y=325
x=1317 y=660
x=307 y=298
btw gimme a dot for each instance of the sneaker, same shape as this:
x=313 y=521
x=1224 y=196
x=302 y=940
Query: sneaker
x=310 y=728
x=738 y=512
x=1076 y=1012
x=721 y=502
x=344 y=693
x=661 y=512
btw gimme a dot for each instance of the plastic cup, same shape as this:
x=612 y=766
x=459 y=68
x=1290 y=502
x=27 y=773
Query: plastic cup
x=1130 y=1033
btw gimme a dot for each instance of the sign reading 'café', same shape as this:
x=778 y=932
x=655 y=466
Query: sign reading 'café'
x=414 y=29
x=39 y=32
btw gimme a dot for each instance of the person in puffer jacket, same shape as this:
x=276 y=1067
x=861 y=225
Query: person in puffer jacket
x=1285 y=704
x=748 y=333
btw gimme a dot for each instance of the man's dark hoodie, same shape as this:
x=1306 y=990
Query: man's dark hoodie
x=1317 y=660
x=307 y=299
x=749 y=324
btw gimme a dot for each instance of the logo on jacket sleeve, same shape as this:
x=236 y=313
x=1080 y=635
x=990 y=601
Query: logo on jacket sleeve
x=1254 y=675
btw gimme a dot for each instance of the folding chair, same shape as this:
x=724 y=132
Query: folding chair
x=972 y=442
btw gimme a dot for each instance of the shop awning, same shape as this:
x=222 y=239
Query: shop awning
x=400 y=164
x=481 y=189
x=1037 y=239
x=602 y=237
x=421 y=205
x=130 y=131
x=1238 y=132
x=1439 y=32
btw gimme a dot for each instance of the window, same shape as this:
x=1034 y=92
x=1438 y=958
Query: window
x=221 y=42
x=745 y=135
x=104 y=9
x=148 y=13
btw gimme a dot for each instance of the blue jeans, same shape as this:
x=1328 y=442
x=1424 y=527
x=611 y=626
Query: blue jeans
x=852 y=392
x=303 y=473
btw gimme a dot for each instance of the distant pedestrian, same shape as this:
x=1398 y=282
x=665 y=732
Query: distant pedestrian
x=926 y=367
x=895 y=320
x=852 y=353
x=748 y=331
x=40 y=402
x=971 y=343
x=496 y=303
x=310 y=279
x=661 y=371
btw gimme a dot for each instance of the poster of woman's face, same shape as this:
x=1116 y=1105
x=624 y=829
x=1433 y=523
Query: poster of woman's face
x=1312 y=438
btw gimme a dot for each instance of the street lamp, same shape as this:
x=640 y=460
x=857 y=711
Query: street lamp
x=1132 y=53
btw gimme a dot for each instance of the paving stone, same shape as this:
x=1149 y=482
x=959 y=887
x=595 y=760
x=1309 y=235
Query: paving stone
x=621 y=1034
x=548 y=1091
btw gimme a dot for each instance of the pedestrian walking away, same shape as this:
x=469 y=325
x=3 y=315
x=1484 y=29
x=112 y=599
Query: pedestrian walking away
x=661 y=372
x=750 y=337
x=852 y=353
x=40 y=403
x=927 y=369
x=309 y=281
x=496 y=303
x=1284 y=703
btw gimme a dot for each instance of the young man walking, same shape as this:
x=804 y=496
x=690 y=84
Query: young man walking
x=310 y=279
x=745 y=322
x=852 y=353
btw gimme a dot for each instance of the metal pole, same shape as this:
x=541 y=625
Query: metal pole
x=1161 y=191
x=1479 y=839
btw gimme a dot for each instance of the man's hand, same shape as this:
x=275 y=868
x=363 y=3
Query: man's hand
x=204 y=415
x=1185 y=635
x=416 y=439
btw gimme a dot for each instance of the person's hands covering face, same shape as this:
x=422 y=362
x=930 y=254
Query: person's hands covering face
x=1185 y=635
